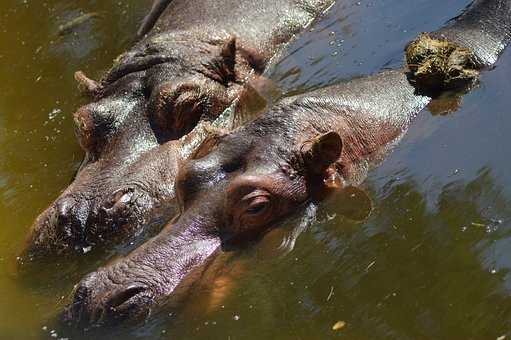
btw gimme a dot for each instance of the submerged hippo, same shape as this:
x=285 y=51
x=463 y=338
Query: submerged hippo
x=242 y=184
x=188 y=68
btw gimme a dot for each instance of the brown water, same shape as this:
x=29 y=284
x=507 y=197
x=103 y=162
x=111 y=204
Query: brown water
x=432 y=261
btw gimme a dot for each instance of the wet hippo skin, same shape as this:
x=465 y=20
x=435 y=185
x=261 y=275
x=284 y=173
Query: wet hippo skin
x=189 y=68
x=241 y=185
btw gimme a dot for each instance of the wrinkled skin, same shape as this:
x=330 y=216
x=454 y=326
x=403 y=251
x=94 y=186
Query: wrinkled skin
x=241 y=187
x=238 y=188
x=181 y=73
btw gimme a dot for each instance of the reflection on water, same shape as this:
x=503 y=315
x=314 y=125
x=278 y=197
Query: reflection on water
x=38 y=152
x=432 y=261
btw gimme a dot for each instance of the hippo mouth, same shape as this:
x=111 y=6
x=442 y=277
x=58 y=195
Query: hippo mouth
x=70 y=227
x=56 y=230
x=156 y=278
x=133 y=302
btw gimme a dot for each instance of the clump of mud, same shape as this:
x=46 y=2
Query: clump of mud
x=437 y=65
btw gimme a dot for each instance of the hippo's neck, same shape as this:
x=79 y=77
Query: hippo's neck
x=370 y=114
x=262 y=24
x=186 y=51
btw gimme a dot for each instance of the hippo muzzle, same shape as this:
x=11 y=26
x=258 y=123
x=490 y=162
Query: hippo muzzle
x=159 y=275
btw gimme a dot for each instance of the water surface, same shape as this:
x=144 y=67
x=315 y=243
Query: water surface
x=432 y=261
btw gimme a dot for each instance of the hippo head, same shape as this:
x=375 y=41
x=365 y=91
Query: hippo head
x=230 y=192
x=189 y=81
x=125 y=174
x=154 y=94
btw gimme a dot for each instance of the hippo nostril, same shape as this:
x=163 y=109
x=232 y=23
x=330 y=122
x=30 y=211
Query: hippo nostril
x=118 y=201
x=78 y=310
x=68 y=219
x=93 y=304
x=125 y=295
x=81 y=293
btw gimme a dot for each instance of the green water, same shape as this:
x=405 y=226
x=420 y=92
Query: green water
x=38 y=151
x=432 y=261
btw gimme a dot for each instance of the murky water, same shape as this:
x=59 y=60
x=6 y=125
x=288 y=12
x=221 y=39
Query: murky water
x=432 y=261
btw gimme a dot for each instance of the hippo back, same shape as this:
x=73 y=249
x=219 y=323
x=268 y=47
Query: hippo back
x=262 y=24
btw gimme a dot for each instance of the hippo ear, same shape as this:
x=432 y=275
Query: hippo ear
x=208 y=144
x=321 y=152
x=221 y=67
x=257 y=96
x=87 y=86
x=228 y=54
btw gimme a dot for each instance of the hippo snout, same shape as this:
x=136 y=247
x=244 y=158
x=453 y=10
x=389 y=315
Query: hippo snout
x=98 y=300
x=156 y=276
x=68 y=221
x=119 y=203
x=56 y=229
x=77 y=221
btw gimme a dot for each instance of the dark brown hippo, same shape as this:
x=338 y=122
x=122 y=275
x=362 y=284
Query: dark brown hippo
x=187 y=69
x=242 y=184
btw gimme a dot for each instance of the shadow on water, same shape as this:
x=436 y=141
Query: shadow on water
x=415 y=270
x=432 y=261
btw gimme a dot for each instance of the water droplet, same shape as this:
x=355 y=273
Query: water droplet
x=54 y=113
x=236 y=317
x=338 y=325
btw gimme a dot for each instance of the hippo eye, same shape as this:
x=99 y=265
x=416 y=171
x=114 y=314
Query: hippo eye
x=176 y=109
x=257 y=203
x=92 y=127
x=84 y=128
x=250 y=210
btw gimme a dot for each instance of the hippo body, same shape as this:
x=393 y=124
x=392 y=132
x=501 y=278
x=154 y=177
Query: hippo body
x=244 y=183
x=262 y=25
x=189 y=68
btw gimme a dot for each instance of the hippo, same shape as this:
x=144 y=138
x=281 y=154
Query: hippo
x=191 y=62
x=305 y=148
